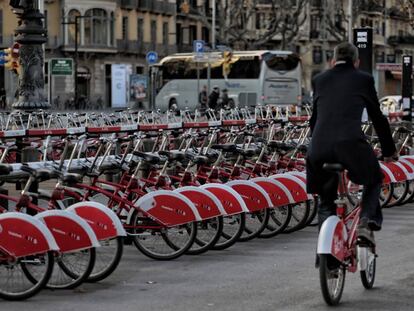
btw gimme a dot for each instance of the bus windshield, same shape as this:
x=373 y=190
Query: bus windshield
x=279 y=62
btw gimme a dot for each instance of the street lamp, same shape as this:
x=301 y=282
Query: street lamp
x=76 y=60
x=31 y=35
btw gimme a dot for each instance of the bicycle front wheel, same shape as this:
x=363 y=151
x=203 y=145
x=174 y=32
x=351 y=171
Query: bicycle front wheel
x=279 y=219
x=14 y=283
x=332 y=279
x=208 y=233
x=300 y=214
x=255 y=224
x=233 y=227
x=368 y=275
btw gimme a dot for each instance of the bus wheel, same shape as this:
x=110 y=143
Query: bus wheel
x=173 y=105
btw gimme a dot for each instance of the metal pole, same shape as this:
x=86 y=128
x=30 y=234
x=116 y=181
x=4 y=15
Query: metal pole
x=213 y=34
x=350 y=20
x=76 y=60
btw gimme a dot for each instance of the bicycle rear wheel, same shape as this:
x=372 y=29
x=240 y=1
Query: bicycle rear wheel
x=108 y=257
x=161 y=243
x=332 y=279
x=14 y=284
x=208 y=233
x=279 y=219
x=233 y=227
x=400 y=191
x=255 y=224
x=386 y=194
x=300 y=214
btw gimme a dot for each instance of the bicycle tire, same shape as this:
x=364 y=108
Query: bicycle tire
x=326 y=274
x=200 y=244
x=279 y=219
x=368 y=275
x=229 y=237
x=300 y=213
x=35 y=287
x=102 y=271
x=313 y=211
x=64 y=275
x=165 y=249
x=410 y=196
x=400 y=191
x=386 y=194
x=255 y=224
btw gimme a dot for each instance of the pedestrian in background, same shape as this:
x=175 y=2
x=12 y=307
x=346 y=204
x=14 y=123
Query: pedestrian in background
x=214 y=98
x=203 y=98
x=225 y=101
x=3 y=102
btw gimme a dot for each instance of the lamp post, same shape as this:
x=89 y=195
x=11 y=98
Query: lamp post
x=350 y=20
x=31 y=35
x=76 y=58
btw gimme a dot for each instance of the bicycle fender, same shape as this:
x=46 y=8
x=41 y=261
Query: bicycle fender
x=405 y=169
x=70 y=231
x=23 y=235
x=409 y=166
x=232 y=202
x=254 y=196
x=332 y=238
x=300 y=175
x=103 y=221
x=206 y=203
x=397 y=171
x=279 y=194
x=295 y=185
x=388 y=176
x=167 y=207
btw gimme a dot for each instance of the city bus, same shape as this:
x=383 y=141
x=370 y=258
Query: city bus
x=256 y=77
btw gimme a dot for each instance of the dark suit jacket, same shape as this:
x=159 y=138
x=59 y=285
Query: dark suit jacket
x=339 y=98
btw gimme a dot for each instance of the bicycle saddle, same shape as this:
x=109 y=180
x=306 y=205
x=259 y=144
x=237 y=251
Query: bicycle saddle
x=5 y=169
x=71 y=178
x=278 y=145
x=147 y=157
x=247 y=152
x=225 y=147
x=333 y=167
x=403 y=130
x=173 y=155
x=303 y=148
x=39 y=174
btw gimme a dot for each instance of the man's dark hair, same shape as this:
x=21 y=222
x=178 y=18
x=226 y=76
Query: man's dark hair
x=346 y=51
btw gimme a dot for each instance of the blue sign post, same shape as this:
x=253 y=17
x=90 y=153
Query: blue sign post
x=198 y=46
x=152 y=57
x=2 y=59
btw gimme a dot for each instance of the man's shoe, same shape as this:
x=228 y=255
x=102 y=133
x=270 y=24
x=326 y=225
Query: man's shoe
x=365 y=234
x=373 y=225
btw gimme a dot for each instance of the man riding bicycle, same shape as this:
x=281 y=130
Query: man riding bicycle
x=340 y=96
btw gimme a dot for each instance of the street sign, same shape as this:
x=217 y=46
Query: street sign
x=198 y=46
x=61 y=66
x=152 y=57
x=363 y=41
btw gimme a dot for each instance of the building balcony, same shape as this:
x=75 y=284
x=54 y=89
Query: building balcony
x=396 y=12
x=89 y=48
x=396 y=40
x=129 y=4
x=371 y=7
x=160 y=7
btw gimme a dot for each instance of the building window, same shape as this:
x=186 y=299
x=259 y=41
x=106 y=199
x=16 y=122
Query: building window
x=314 y=26
x=1 y=26
x=125 y=28
x=72 y=27
x=317 y=55
x=140 y=29
x=96 y=27
x=165 y=33
x=193 y=33
x=179 y=34
x=205 y=34
x=154 y=31
x=112 y=29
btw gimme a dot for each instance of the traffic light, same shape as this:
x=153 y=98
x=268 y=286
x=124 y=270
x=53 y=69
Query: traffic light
x=10 y=58
x=227 y=58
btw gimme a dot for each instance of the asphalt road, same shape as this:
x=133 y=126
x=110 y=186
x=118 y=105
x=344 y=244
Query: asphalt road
x=275 y=274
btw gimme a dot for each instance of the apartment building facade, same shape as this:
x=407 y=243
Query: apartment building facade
x=108 y=32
